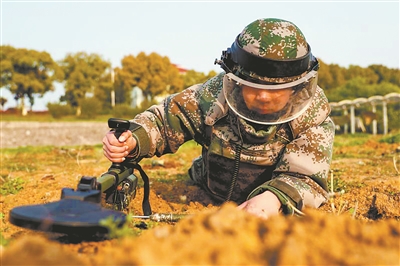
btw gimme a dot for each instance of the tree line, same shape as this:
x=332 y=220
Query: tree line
x=30 y=74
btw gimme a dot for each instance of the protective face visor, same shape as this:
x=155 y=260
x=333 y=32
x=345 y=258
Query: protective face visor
x=269 y=104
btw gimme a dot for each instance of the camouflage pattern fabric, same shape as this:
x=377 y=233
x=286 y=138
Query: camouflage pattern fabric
x=292 y=160
x=273 y=39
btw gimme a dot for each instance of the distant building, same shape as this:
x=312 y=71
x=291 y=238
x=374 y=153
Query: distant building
x=180 y=69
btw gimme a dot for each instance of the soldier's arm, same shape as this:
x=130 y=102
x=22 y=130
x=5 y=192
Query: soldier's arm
x=163 y=128
x=300 y=178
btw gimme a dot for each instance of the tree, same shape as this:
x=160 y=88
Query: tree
x=386 y=74
x=27 y=73
x=84 y=76
x=331 y=76
x=359 y=87
x=325 y=79
x=122 y=87
x=367 y=73
x=192 y=77
x=154 y=74
x=103 y=92
x=337 y=73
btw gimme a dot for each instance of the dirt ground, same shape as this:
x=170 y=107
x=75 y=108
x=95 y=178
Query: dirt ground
x=360 y=225
x=17 y=134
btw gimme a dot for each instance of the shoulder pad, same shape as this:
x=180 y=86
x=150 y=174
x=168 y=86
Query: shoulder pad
x=315 y=114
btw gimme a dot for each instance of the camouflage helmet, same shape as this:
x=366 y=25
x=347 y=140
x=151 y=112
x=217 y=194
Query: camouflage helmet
x=270 y=56
x=269 y=50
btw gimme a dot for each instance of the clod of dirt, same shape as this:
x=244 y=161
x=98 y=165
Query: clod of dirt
x=233 y=237
x=373 y=212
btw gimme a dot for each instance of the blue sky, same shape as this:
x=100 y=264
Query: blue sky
x=193 y=33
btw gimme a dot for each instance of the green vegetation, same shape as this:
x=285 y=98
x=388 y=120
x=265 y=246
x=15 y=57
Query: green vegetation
x=348 y=146
x=3 y=241
x=11 y=186
x=391 y=138
x=115 y=230
x=342 y=186
x=27 y=73
x=337 y=185
x=59 y=110
x=130 y=228
x=351 y=140
x=89 y=81
x=27 y=149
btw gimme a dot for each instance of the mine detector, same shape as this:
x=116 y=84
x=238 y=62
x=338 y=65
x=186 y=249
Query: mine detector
x=80 y=211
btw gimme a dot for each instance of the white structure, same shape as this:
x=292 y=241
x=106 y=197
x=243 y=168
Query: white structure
x=373 y=101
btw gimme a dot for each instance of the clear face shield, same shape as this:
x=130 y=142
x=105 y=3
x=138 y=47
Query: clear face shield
x=269 y=104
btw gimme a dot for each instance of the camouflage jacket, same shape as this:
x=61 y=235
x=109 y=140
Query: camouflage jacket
x=291 y=160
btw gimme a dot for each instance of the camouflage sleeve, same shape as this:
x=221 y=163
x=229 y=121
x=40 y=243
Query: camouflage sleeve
x=304 y=167
x=165 y=127
x=300 y=177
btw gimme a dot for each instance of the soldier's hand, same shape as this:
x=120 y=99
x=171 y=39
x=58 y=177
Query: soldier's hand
x=263 y=205
x=117 y=149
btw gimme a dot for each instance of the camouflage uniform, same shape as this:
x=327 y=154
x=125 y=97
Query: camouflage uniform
x=241 y=159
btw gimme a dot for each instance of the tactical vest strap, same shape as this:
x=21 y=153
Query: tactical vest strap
x=205 y=138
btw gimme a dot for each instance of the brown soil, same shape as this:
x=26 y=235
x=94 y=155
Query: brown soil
x=359 y=226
